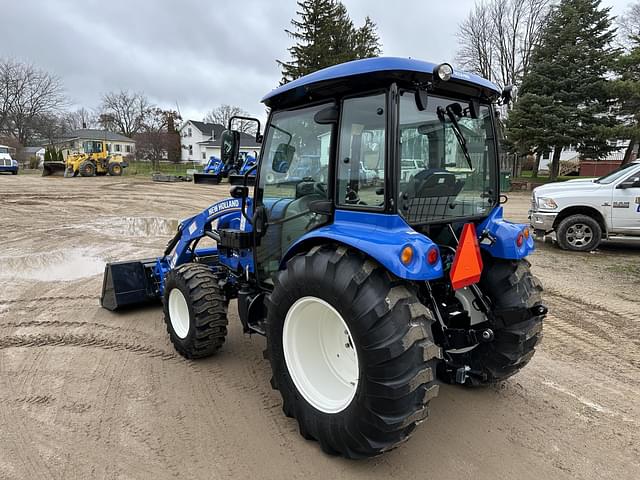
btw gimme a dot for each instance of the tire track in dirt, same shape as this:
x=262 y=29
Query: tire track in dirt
x=83 y=340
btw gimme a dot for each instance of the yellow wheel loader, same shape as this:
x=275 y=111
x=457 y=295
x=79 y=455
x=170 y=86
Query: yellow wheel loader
x=94 y=160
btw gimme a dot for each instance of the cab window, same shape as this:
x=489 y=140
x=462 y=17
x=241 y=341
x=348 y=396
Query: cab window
x=362 y=151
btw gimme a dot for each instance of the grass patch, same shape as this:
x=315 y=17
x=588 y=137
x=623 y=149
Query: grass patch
x=527 y=176
x=145 y=168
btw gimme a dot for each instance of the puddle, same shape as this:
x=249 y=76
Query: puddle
x=134 y=226
x=52 y=267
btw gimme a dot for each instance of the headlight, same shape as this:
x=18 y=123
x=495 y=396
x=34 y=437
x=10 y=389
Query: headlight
x=14 y=163
x=547 y=203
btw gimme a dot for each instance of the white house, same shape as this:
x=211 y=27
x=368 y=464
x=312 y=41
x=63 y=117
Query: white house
x=570 y=154
x=200 y=140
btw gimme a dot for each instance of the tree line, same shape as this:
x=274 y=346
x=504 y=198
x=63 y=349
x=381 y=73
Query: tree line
x=577 y=70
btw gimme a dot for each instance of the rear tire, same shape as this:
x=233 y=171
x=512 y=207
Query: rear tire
x=87 y=169
x=390 y=333
x=517 y=306
x=579 y=233
x=195 y=311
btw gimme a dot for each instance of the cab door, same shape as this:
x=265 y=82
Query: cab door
x=294 y=173
x=625 y=215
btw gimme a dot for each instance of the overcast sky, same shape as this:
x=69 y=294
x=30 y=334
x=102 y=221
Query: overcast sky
x=200 y=54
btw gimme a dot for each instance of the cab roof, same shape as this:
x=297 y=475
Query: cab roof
x=391 y=67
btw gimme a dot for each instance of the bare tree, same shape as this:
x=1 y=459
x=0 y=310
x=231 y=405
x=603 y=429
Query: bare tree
x=158 y=137
x=223 y=113
x=78 y=119
x=629 y=25
x=124 y=112
x=497 y=38
x=27 y=93
x=476 y=38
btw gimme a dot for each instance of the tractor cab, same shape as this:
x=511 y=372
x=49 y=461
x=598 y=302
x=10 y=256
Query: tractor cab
x=93 y=147
x=387 y=141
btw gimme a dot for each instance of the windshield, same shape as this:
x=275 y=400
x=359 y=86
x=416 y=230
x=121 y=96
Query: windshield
x=4 y=150
x=448 y=164
x=615 y=175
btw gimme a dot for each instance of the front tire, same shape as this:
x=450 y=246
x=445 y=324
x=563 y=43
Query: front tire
x=115 y=169
x=331 y=302
x=87 y=169
x=579 y=233
x=195 y=311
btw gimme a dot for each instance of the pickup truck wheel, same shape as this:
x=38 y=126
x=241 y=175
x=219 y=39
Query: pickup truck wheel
x=195 y=311
x=351 y=351
x=579 y=233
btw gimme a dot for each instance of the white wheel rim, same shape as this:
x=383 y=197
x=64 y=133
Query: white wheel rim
x=178 y=313
x=320 y=354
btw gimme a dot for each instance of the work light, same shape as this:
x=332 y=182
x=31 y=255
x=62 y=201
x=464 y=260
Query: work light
x=443 y=72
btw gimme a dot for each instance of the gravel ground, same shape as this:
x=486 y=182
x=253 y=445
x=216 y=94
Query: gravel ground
x=86 y=393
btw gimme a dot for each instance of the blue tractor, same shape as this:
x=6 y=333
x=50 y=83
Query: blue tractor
x=215 y=169
x=367 y=293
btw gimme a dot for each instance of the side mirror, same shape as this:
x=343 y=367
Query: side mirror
x=230 y=151
x=507 y=94
x=239 y=191
x=283 y=158
x=633 y=182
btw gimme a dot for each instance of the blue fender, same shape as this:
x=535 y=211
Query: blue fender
x=504 y=235
x=380 y=236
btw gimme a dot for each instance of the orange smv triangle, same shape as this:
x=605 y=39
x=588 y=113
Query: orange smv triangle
x=467 y=264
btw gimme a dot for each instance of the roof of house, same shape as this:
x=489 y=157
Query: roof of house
x=31 y=149
x=94 y=134
x=208 y=129
x=246 y=140
x=405 y=66
x=215 y=130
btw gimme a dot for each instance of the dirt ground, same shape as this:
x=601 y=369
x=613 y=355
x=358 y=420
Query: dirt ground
x=86 y=393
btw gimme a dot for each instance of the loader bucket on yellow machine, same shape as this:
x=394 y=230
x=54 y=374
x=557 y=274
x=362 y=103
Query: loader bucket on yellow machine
x=53 y=168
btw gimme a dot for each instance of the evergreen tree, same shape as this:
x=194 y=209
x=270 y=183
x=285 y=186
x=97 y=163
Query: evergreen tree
x=626 y=88
x=47 y=154
x=325 y=35
x=565 y=96
x=60 y=156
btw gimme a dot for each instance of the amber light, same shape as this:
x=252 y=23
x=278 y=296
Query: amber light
x=526 y=233
x=406 y=255
x=432 y=256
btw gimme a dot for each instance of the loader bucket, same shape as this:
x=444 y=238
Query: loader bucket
x=207 y=178
x=56 y=169
x=128 y=284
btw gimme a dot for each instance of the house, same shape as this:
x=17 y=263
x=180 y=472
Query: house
x=32 y=154
x=74 y=141
x=200 y=141
x=570 y=154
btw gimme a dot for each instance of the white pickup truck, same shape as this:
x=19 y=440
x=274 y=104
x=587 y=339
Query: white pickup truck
x=584 y=211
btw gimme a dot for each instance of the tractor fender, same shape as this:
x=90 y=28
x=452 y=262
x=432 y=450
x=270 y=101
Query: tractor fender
x=379 y=236
x=502 y=237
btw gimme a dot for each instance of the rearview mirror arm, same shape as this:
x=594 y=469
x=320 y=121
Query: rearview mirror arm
x=250 y=119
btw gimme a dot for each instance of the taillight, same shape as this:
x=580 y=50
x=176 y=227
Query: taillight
x=432 y=256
